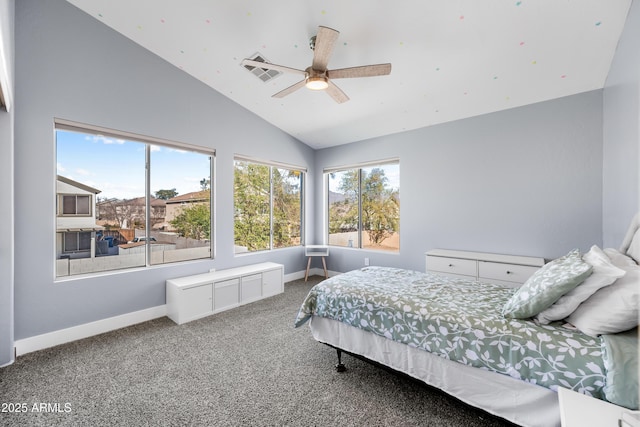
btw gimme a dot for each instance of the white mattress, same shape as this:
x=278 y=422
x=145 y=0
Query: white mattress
x=517 y=401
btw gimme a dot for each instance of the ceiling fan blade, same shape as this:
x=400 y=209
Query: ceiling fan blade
x=268 y=66
x=325 y=40
x=336 y=93
x=290 y=89
x=362 y=71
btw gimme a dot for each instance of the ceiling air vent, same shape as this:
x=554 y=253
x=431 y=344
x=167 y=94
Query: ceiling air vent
x=262 y=73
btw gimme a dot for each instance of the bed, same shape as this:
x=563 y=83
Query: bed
x=463 y=336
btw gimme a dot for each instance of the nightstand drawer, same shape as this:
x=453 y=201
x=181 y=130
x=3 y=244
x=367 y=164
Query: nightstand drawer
x=465 y=267
x=504 y=272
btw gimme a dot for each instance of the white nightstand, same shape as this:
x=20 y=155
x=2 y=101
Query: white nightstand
x=579 y=410
x=316 y=250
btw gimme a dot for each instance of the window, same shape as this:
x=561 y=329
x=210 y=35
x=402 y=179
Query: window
x=76 y=205
x=126 y=200
x=364 y=206
x=76 y=241
x=268 y=200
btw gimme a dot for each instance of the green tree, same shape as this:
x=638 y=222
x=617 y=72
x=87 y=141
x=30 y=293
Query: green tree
x=166 y=194
x=205 y=183
x=251 y=206
x=380 y=206
x=286 y=186
x=194 y=221
x=343 y=213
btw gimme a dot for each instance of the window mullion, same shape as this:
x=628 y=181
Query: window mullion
x=303 y=183
x=147 y=203
x=360 y=244
x=212 y=206
x=271 y=207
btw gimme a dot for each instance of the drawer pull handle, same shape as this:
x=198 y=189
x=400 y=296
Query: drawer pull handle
x=508 y=272
x=450 y=265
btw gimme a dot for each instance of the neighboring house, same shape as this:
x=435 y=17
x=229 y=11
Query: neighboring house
x=75 y=219
x=130 y=213
x=175 y=205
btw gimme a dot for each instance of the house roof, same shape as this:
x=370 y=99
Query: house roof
x=138 y=201
x=196 y=196
x=78 y=184
x=141 y=201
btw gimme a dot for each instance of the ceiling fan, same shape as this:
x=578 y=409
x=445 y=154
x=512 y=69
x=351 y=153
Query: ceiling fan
x=317 y=76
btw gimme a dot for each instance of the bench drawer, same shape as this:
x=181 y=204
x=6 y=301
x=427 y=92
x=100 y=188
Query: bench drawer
x=458 y=266
x=488 y=271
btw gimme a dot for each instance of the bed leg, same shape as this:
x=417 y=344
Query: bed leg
x=340 y=366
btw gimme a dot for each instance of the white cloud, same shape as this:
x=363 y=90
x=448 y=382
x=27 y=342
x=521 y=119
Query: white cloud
x=60 y=168
x=83 y=172
x=120 y=190
x=176 y=150
x=103 y=139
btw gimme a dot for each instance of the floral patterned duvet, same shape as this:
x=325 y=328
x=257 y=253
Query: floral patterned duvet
x=460 y=320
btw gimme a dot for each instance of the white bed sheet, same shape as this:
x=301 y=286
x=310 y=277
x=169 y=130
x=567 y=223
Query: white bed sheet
x=517 y=401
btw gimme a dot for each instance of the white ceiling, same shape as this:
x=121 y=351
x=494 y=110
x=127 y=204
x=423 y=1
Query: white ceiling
x=450 y=59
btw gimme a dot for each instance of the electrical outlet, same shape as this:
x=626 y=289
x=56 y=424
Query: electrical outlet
x=212 y=270
x=366 y=262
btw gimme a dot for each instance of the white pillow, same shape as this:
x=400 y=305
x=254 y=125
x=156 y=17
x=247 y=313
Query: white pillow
x=604 y=274
x=611 y=309
x=618 y=258
x=631 y=231
x=634 y=247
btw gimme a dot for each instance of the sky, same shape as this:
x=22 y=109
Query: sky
x=116 y=167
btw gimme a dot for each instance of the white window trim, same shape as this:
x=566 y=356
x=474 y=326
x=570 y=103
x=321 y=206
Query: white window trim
x=359 y=166
x=72 y=126
x=303 y=195
x=362 y=165
x=243 y=158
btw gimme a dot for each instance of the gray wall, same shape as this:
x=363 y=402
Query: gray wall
x=525 y=181
x=6 y=213
x=71 y=66
x=621 y=133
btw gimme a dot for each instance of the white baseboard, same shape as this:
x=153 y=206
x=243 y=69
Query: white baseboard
x=62 y=336
x=294 y=276
x=312 y=272
x=51 y=339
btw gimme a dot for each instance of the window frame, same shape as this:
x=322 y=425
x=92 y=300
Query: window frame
x=61 y=205
x=78 y=249
x=358 y=167
x=303 y=182
x=148 y=142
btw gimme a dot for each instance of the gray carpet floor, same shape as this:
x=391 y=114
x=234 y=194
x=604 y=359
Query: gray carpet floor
x=246 y=366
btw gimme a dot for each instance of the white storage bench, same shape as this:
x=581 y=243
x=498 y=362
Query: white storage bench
x=192 y=297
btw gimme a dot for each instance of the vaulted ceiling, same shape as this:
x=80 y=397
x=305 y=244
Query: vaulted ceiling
x=450 y=59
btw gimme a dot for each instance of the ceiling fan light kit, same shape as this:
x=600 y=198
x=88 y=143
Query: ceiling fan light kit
x=318 y=77
x=317 y=83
